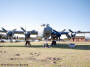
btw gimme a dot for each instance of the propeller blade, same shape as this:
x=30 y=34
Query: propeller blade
x=4 y=29
x=73 y=35
x=14 y=30
x=71 y=31
x=55 y=31
x=68 y=35
x=23 y=29
x=63 y=30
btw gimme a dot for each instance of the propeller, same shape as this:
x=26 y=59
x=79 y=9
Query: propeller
x=26 y=33
x=68 y=36
x=55 y=31
x=73 y=34
x=23 y=29
x=14 y=30
x=9 y=34
x=57 y=34
x=71 y=31
x=4 y=29
x=63 y=30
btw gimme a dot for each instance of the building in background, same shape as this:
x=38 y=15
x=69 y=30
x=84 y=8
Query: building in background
x=79 y=39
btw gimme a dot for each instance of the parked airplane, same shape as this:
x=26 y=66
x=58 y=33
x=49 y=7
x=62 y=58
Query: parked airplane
x=10 y=33
x=73 y=34
x=48 y=31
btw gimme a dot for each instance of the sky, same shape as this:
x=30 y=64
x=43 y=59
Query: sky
x=60 y=14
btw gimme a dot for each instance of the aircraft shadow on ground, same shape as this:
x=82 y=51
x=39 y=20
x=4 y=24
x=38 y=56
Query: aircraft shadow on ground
x=63 y=46
x=79 y=47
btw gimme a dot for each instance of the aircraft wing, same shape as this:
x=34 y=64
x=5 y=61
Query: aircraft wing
x=21 y=32
x=83 y=32
x=2 y=31
x=34 y=32
x=74 y=32
x=79 y=31
x=18 y=32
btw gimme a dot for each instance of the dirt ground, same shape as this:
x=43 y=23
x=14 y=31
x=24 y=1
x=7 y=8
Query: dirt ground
x=17 y=55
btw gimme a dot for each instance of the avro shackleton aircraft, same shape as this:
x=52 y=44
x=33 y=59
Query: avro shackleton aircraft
x=48 y=31
x=10 y=33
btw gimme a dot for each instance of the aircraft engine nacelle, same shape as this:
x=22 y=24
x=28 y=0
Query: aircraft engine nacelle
x=10 y=34
x=73 y=34
x=27 y=34
x=47 y=32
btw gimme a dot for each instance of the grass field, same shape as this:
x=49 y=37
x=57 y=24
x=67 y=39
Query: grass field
x=17 y=55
